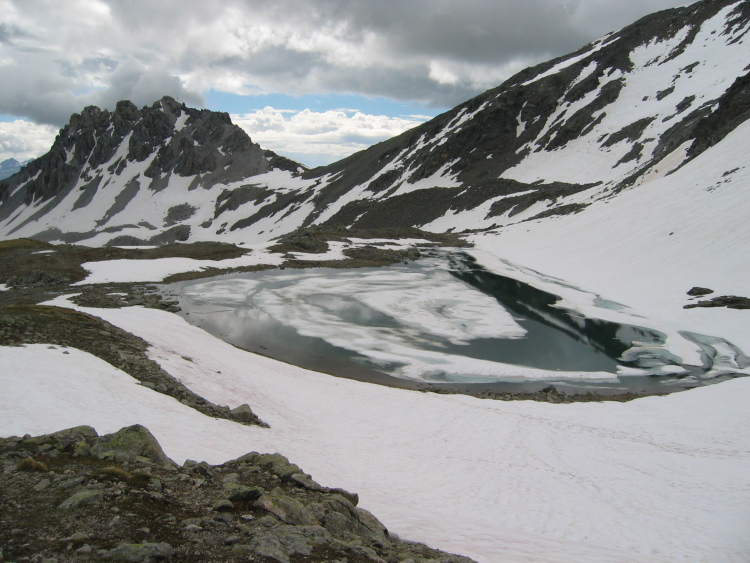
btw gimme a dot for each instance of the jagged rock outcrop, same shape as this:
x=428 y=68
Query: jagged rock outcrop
x=117 y=497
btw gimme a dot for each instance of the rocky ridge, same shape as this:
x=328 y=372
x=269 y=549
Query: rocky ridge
x=145 y=149
x=466 y=157
x=76 y=496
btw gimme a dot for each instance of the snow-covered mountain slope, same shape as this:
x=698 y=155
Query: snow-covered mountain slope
x=145 y=173
x=624 y=110
x=616 y=115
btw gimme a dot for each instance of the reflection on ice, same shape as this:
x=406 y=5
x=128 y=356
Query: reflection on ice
x=442 y=318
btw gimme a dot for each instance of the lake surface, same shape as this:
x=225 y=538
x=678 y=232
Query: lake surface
x=442 y=320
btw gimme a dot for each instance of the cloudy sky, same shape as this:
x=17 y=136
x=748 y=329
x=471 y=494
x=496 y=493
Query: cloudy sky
x=312 y=79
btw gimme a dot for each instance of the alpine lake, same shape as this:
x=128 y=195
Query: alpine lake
x=442 y=322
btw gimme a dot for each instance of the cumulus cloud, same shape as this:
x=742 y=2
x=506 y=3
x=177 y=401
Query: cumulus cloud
x=24 y=140
x=317 y=138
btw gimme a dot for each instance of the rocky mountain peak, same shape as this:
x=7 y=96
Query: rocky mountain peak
x=147 y=148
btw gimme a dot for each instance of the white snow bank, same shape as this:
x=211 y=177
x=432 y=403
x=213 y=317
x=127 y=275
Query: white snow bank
x=658 y=479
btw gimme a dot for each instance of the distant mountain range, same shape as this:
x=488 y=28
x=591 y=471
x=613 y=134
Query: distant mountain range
x=625 y=110
x=9 y=167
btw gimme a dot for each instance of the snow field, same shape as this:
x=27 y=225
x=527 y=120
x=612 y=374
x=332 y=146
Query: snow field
x=657 y=479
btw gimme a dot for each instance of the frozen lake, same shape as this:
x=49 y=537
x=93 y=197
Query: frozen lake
x=441 y=320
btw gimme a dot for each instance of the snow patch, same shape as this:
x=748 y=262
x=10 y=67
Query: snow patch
x=658 y=479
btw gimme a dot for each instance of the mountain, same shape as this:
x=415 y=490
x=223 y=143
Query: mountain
x=9 y=167
x=618 y=114
x=129 y=171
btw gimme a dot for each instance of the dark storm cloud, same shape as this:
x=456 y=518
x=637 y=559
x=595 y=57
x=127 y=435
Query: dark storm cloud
x=8 y=33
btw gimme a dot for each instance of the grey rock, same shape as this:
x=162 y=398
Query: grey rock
x=729 y=301
x=128 y=444
x=304 y=480
x=223 y=505
x=282 y=542
x=285 y=508
x=70 y=483
x=369 y=521
x=202 y=468
x=245 y=414
x=41 y=485
x=307 y=482
x=237 y=492
x=140 y=552
x=82 y=498
x=278 y=465
x=352 y=519
x=77 y=537
x=338 y=524
x=232 y=540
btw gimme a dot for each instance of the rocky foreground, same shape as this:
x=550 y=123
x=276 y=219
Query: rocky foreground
x=76 y=496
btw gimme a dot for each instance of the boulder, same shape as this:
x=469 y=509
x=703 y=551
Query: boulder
x=237 y=492
x=140 y=552
x=127 y=444
x=82 y=498
x=285 y=508
x=245 y=414
x=278 y=465
x=282 y=542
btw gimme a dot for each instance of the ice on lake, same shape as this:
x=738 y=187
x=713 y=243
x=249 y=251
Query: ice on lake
x=442 y=318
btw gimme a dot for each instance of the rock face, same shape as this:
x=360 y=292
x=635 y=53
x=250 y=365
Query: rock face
x=630 y=107
x=99 y=498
